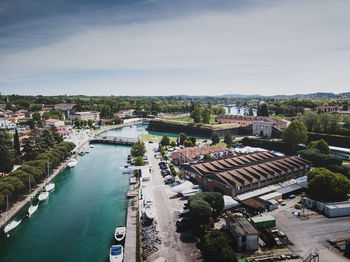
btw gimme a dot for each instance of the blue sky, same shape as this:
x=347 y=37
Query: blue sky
x=167 y=47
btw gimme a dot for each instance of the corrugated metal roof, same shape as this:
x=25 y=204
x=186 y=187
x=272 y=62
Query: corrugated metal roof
x=260 y=219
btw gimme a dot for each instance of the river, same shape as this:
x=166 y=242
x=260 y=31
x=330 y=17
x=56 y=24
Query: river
x=77 y=221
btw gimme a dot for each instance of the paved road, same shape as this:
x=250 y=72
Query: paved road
x=313 y=232
x=167 y=207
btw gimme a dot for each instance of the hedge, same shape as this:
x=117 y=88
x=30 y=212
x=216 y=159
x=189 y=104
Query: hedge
x=331 y=139
x=319 y=159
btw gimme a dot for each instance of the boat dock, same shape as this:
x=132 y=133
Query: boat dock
x=130 y=237
x=114 y=140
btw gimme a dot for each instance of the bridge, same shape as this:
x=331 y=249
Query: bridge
x=126 y=141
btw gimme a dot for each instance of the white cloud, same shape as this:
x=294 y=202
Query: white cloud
x=298 y=45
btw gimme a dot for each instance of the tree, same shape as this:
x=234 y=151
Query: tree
x=36 y=116
x=77 y=123
x=250 y=113
x=193 y=140
x=31 y=123
x=319 y=145
x=90 y=123
x=200 y=212
x=228 y=140
x=16 y=143
x=327 y=186
x=138 y=149
x=165 y=141
x=215 y=200
x=215 y=139
x=206 y=113
x=139 y=161
x=216 y=248
x=262 y=110
x=196 y=114
x=182 y=138
x=295 y=133
x=6 y=159
x=188 y=143
x=173 y=144
x=207 y=157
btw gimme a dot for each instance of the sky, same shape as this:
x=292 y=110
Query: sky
x=173 y=47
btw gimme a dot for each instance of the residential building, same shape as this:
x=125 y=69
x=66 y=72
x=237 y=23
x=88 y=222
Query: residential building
x=248 y=120
x=7 y=123
x=191 y=154
x=53 y=122
x=124 y=113
x=242 y=173
x=66 y=109
x=91 y=115
x=328 y=109
x=246 y=237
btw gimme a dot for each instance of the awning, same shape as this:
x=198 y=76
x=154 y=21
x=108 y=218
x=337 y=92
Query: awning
x=229 y=202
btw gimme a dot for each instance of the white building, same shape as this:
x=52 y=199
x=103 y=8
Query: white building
x=5 y=123
x=53 y=122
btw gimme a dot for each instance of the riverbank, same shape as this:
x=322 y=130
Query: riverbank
x=16 y=207
x=99 y=131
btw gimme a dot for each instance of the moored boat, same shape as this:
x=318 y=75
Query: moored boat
x=43 y=195
x=116 y=253
x=14 y=223
x=50 y=186
x=32 y=209
x=119 y=233
x=72 y=163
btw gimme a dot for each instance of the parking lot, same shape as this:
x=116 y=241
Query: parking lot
x=175 y=247
x=310 y=232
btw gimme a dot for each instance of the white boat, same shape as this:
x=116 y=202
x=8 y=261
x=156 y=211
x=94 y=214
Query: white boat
x=32 y=209
x=127 y=169
x=92 y=146
x=119 y=233
x=116 y=253
x=133 y=180
x=50 y=186
x=72 y=163
x=14 y=223
x=191 y=191
x=43 y=195
x=149 y=212
x=148 y=208
x=183 y=186
x=87 y=150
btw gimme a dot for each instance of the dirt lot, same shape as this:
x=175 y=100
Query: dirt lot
x=312 y=232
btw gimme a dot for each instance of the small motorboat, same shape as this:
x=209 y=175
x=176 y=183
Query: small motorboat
x=119 y=233
x=43 y=195
x=116 y=253
x=149 y=211
x=50 y=186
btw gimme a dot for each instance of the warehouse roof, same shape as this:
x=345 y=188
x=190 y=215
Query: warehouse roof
x=240 y=225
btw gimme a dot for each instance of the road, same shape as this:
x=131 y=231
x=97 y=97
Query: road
x=167 y=207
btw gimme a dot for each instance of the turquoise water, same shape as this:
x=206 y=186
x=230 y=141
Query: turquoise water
x=77 y=221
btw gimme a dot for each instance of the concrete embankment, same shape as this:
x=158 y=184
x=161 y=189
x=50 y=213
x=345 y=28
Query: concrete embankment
x=201 y=130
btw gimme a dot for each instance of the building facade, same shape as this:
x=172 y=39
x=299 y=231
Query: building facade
x=248 y=120
x=124 y=113
x=245 y=236
x=92 y=115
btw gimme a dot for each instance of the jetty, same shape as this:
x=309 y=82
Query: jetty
x=127 y=141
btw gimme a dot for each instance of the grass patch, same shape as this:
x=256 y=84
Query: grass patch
x=190 y=120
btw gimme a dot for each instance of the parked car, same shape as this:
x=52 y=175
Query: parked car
x=182 y=223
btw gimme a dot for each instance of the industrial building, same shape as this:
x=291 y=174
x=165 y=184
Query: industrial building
x=245 y=236
x=329 y=209
x=264 y=221
x=246 y=172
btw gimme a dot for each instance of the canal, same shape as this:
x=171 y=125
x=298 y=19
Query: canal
x=77 y=221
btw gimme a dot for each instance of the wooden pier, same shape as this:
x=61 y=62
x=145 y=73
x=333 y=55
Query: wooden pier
x=127 y=141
